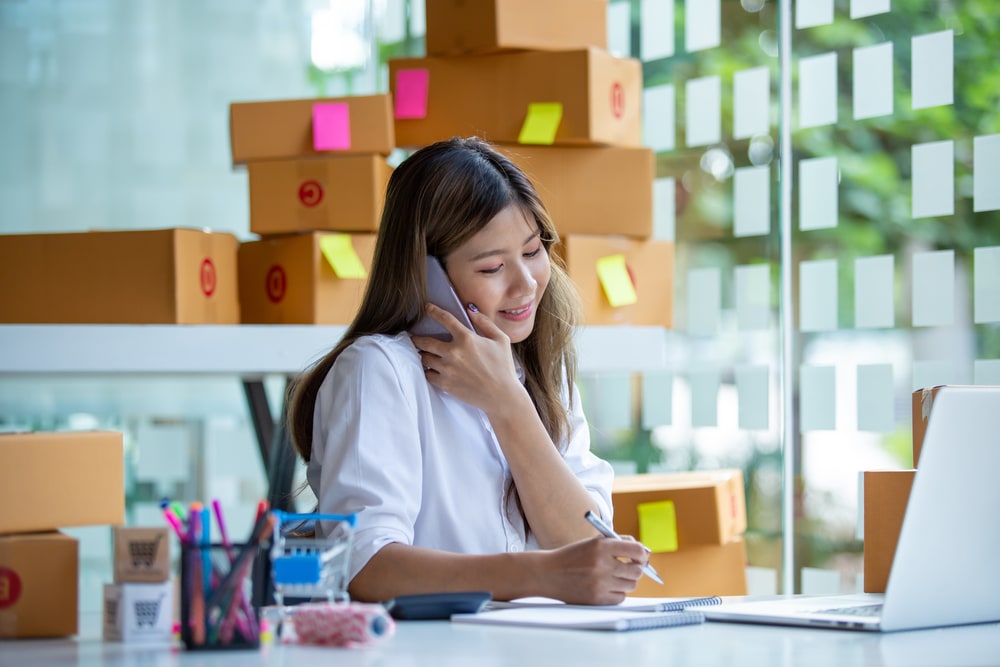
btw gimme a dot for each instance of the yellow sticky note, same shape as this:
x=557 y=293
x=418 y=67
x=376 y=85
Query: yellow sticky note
x=339 y=253
x=658 y=526
x=616 y=281
x=541 y=123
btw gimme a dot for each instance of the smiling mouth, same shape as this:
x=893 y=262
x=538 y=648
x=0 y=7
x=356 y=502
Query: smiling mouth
x=518 y=314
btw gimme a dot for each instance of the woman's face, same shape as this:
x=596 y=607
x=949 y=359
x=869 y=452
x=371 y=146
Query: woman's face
x=504 y=270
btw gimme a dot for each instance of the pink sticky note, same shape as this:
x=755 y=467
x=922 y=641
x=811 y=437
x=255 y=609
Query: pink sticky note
x=410 y=95
x=331 y=126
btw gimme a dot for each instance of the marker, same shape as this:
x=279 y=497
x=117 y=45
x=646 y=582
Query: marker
x=175 y=523
x=605 y=530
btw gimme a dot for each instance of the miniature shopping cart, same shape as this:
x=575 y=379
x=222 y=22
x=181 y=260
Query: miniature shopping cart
x=304 y=566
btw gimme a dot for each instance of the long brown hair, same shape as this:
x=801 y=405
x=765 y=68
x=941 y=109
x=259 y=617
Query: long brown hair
x=438 y=198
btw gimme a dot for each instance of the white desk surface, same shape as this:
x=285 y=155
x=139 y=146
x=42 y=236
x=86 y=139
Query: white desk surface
x=441 y=644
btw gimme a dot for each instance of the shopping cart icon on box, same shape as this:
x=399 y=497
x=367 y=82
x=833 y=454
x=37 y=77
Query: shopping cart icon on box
x=147 y=612
x=306 y=566
x=111 y=612
x=143 y=552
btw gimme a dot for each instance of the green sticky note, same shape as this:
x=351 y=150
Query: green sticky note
x=340 y=254
x=658 y=526
x=616 y=280
x=541 y=123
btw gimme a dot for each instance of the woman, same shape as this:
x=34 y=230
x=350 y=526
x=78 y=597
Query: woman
x=468 y=462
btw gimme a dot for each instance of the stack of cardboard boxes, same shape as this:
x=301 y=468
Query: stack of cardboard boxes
x=535 y=79
x=693 y=522
x=139 y=605
x=317 y=172
x=886 y=494
x=50 y=481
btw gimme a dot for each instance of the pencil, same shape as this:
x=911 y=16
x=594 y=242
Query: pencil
x=605 y=530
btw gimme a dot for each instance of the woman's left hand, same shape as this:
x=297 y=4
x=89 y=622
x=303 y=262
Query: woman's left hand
x=476 y=368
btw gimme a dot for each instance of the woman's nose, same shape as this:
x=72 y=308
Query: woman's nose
x=525 y=283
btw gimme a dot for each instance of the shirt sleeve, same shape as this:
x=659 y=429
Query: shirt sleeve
x=366 y=450
x=596 y=474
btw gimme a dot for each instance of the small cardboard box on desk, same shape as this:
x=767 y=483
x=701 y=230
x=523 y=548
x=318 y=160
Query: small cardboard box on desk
x=49 y=481
x=138 y=606
x=886 y=495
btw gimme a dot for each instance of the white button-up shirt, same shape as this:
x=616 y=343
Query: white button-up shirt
x=417 y=465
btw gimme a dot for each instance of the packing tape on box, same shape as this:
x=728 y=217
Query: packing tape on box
x=352 y=624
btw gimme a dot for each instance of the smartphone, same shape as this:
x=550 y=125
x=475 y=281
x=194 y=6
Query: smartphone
x=441 y=294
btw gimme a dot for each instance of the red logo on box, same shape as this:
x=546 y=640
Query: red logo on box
x=310 y=193
x=10 y=587
x=617 y=100
x=276 y=284
x=208 y=277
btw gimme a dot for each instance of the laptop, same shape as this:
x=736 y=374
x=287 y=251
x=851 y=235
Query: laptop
x=946 y=570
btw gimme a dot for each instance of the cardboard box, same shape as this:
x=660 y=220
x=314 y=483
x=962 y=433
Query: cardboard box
x=141 y=554
x=592 y=190
x=39 y=575
x=287 y=280
x=489 y=96
x=283 y=129
x=650 y=266
x=886 y=493
x=709 y=506
x=718 y=569
x=457 y=27
x=334 y=194
x=54 y=480
x=135 y=612
x=161 y=276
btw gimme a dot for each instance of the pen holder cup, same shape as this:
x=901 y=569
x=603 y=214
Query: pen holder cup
x=217 y=610
x=306 y=567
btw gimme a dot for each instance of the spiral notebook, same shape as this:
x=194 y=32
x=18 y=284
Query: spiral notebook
x=568 y=617
x=629 y=604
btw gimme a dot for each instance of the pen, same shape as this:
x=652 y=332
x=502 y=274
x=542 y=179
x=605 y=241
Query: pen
x=605 y=530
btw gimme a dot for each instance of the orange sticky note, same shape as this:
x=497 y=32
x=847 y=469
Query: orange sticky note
x=341 y=257
x=331 y=126
x=616 y=281
x=410 y=94
x=658 y=526
x=541 y=123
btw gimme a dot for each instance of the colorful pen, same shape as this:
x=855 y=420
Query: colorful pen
x=175 y=523
x=605 y=530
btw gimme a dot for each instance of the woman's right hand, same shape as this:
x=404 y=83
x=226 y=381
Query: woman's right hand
x=597 y=570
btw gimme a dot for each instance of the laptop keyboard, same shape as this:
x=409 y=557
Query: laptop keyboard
x=868 y=610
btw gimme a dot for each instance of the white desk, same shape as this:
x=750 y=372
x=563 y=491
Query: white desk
x=441 y=644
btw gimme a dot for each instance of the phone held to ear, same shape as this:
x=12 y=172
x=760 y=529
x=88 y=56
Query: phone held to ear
x=441 y=294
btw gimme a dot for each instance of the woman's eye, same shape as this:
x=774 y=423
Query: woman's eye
x=533 y=253
x=493 y=270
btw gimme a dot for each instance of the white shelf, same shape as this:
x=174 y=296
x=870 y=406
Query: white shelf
x=251 y=350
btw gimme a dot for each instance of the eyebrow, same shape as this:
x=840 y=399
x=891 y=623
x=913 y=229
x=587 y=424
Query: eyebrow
x=490 y=253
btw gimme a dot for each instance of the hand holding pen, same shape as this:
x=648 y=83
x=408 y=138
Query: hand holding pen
x=605 y=530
